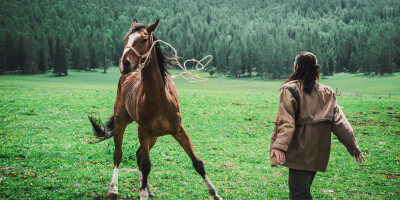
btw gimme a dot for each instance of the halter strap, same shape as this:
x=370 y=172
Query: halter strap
x=140 y=56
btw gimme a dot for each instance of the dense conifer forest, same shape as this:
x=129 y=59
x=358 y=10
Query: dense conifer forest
x=246 y=38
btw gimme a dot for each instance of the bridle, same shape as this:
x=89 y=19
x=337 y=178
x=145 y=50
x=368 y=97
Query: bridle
x=147 y=55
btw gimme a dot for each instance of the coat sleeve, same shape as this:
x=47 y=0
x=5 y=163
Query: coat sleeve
x=285 y=121
x=342 y=129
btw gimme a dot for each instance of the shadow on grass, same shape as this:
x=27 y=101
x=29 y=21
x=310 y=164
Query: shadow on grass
x=373 y=75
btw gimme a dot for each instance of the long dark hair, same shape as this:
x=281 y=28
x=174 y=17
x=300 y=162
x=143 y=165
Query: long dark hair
x=306 y=70
x=164 y=59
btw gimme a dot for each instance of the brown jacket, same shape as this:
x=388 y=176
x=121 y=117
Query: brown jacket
x=303 y=127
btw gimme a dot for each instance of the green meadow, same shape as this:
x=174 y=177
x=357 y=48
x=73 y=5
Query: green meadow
x=45 y=150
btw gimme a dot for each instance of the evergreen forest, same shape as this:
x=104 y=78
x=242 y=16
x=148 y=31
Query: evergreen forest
x=246 y=38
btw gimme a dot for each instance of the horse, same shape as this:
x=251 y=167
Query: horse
x=147 y=96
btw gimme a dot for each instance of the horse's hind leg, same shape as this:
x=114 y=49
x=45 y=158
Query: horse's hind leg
x=138 y=159
x=121 y=120
x=183 y=138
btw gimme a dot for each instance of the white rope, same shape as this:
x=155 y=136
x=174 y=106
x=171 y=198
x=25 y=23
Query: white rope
x=186 y=74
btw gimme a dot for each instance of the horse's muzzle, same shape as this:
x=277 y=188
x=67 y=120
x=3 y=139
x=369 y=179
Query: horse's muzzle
x=123 y=65
x=126 y=67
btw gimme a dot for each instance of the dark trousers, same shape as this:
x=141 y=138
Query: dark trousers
x=299 y=183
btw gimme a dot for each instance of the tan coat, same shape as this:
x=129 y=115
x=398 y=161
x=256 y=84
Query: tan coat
x=303 y=129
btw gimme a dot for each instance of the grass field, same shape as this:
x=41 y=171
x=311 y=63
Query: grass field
x=45 y=151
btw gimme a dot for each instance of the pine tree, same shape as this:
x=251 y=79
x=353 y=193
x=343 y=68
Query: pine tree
x=60 y=59
x=325 y=68
x=10 y=53
x=102 y=54
x=22 y=55
x=2 y=56
x=208 y=19
x=51 y=52
x=42 y=61
x=76 y=57
x=92 y=56
x=330 y=64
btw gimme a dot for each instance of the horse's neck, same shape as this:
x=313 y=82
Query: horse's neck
x=153 y=84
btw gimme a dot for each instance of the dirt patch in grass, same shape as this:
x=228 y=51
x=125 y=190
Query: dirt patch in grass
x=384 y=124
x=88 y=163
x=7 y=168
x=228 y=167
x=129 y=170
x=44 y=127
x=389 y=176
x=238 y=104
x=397 y=117
x=10 y=174
x=369 y=123
x=363 y=132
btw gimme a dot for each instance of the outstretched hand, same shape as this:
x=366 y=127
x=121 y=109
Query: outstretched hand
x=280 y=155
x=360 y=158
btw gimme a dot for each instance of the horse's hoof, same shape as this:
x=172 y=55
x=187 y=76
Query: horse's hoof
x=144 y=194
x=151 y=193
x=217 y=197
x=113 y=196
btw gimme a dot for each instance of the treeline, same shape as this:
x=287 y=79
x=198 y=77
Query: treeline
x=246 y=38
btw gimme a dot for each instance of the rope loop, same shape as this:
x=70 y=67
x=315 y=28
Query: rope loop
x=186 y=74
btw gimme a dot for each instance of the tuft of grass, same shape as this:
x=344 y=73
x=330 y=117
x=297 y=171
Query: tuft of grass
x=45 y=151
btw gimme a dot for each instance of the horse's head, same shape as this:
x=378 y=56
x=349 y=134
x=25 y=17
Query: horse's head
x=138 y=42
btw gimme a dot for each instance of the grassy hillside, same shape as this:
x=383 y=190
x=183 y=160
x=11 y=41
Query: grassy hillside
x=45 y=153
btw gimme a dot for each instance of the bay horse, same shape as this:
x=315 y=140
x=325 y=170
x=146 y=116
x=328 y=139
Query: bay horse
x=147 y=96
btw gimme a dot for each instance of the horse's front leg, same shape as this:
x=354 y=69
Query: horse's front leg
x=118 y=136
x=144 y=162
x=183 y=138
x=119 y=129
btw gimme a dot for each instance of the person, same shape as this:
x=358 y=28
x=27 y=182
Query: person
x=307 y=114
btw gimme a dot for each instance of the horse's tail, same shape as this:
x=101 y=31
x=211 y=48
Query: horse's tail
x=100 y=131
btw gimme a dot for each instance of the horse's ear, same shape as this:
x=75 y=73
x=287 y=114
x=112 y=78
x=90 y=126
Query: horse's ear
x=153 y=26
x=134 y=22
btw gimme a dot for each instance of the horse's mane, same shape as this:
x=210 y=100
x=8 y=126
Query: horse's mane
x=164 y=58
